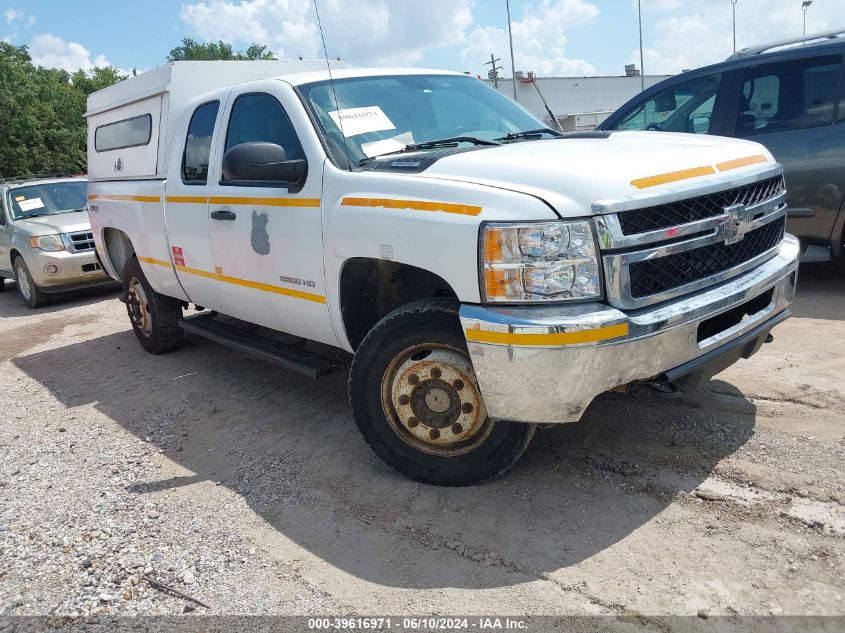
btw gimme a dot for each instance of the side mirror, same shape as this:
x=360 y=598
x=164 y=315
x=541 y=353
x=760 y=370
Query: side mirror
x=666 y=101
x=261 y=162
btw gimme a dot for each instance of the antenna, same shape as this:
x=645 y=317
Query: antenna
x=331 y=81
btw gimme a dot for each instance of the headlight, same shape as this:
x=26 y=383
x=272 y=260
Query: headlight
x=543 y=261
x=47 y=242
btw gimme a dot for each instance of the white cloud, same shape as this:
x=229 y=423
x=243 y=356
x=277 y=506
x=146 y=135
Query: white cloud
x=52 y=51
x=366 y=32
x=539 y=40
x=702 y=33
x=13 y=15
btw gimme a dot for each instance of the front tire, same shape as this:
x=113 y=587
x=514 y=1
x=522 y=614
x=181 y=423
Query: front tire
x=416 y=400
x=31 y=295
x=154 y=317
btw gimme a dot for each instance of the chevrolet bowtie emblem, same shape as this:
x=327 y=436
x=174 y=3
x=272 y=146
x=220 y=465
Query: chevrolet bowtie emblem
x=737 y=224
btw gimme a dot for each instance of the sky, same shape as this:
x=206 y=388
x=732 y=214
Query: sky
x=551 y=37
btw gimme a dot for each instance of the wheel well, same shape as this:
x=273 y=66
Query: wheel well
x=372 y=288
x=13 y=255
x=118 y=248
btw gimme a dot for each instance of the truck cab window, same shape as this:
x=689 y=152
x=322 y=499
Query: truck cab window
x=788 y=96
x=260 y=117
x=198 y=144
x=684 y=107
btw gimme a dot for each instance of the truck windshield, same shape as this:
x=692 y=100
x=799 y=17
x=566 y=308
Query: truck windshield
x=48 y=199
x=383 y=114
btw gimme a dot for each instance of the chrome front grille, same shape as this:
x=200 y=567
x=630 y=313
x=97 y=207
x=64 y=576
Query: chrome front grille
x=653 y=276
x=662 y=249
x=699 y=208
x=80 y=242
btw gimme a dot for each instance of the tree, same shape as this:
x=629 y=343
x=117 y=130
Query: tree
x=43 y=129
x=191 y=50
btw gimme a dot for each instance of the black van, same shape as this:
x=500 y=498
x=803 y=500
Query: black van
x=789 y=96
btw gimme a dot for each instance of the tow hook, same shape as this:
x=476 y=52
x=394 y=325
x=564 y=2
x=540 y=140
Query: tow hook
x=663 y=388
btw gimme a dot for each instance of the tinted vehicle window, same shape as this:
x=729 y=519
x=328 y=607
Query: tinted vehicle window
x=788 y=96
x=684 y=107
x=259 y=117
x=121 y=134
x=48 y=199
x=198 y=144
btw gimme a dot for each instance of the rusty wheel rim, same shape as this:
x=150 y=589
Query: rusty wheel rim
x=138 y=307
x=432 y=401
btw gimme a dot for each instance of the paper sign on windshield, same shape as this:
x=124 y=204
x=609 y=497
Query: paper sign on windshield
x=31 y=204
x=385 y=146
x=354 y=121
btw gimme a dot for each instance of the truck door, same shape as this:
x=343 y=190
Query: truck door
x=267 y=238
x=186 y=207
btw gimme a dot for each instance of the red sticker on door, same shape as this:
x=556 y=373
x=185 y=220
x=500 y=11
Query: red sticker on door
x=178 y=256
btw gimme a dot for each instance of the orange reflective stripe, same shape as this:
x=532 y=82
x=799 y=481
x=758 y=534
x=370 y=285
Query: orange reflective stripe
x=736 y=163
x=267 y=202
x=296 y=294
x=125 y=198
x=156 y=262
x=555 y=338
x=412 y=205
x=672 y=176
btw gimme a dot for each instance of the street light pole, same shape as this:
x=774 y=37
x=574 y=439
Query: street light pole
x=733 y=6
x=510 y=37
x=642 y=70
x=804 y=6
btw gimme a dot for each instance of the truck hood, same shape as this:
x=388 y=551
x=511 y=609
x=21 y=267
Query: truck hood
x=59 y=223
x=572 y=173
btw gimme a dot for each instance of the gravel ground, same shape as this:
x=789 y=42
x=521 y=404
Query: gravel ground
x=250 y=490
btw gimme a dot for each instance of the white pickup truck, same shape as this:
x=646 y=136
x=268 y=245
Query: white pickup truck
x=488 y=274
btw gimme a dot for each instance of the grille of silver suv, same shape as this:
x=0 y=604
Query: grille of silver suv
x=657 y=252
x=80 y=242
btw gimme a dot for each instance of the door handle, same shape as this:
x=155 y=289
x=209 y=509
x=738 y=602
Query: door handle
x=223 y=214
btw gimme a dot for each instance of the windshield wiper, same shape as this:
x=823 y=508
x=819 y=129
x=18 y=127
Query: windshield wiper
x=512 y=136
x=452 y=141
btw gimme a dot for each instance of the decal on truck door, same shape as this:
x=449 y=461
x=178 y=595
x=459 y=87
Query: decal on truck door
x=178 y=256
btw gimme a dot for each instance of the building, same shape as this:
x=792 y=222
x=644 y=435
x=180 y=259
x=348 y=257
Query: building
x=578 y=103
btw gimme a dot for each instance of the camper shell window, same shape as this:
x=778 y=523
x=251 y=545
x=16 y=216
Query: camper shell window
x=131 y=132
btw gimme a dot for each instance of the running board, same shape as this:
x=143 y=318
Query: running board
x=290 y=357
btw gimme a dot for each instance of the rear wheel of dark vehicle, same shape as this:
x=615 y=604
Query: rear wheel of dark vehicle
x=154 y=317
x=417 y=402
x=31 y=295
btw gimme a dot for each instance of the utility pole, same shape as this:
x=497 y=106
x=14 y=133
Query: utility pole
x=804 y=6
x=642 y=69
x=510 y=36
x=495 y=69
x=733 y=5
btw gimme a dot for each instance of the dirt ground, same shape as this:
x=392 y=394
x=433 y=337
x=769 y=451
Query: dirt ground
x=249 y=488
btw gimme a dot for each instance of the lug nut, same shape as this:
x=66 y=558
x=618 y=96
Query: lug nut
x=434 y=434
x=412 y=422
x=466 y=407
x=435 y=372
x=458 y=384
x=404 y=399
x=413 y=379
x=457 y=429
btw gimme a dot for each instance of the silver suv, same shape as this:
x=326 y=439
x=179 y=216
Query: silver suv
x=46 y=244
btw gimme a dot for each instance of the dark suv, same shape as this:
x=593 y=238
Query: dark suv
x=789 y=96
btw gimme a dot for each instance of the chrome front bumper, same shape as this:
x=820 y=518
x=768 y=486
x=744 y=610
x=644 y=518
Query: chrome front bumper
x=546 y=365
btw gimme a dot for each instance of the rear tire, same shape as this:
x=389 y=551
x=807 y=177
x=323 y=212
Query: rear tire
x=416 y=400
x=154 y=317
x=31 y=295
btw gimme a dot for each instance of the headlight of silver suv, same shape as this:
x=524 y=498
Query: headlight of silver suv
x=50 y=243
x=538 y=261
